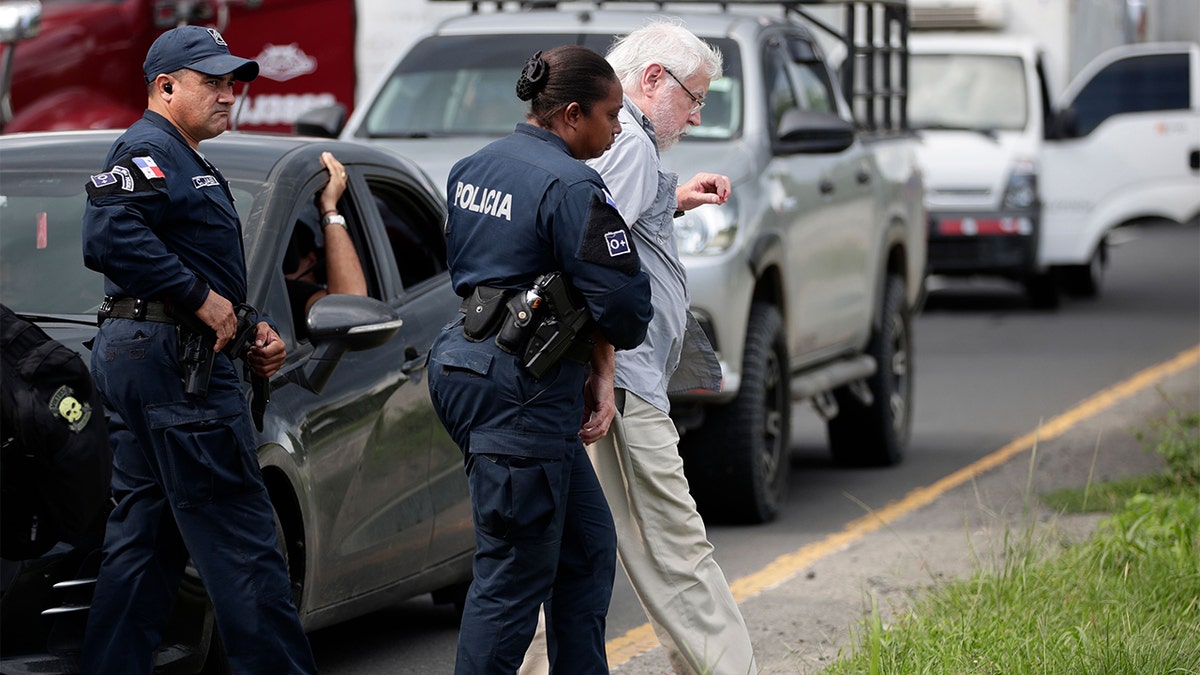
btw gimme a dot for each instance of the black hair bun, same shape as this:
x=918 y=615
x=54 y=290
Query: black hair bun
x=534 y=76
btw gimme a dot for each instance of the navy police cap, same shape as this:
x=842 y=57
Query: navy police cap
x=196 y=48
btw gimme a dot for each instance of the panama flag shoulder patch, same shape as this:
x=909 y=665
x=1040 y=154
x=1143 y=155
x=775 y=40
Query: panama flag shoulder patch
x=149 y=167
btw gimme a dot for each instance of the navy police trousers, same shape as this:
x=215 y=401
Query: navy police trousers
x=186 y=481
x=543 y=531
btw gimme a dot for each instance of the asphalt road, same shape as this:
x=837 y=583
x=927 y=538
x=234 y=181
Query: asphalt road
x=988 y=370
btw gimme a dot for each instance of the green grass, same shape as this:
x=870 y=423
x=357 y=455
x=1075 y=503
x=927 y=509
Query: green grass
x=1126 y=601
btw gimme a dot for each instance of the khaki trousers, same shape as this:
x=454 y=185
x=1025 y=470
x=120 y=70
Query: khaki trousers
x=663 y=547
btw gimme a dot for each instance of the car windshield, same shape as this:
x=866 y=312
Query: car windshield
x=41 y=254
x=464 y=86
x=966 y=91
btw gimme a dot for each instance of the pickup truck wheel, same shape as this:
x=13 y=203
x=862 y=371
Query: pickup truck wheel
x=738 y=461
x=1084 y=281
x=876 y=434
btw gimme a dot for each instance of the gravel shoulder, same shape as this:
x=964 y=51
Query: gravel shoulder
x=799 y=625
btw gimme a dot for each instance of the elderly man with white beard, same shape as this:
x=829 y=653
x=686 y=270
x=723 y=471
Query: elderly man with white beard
x=665 y=72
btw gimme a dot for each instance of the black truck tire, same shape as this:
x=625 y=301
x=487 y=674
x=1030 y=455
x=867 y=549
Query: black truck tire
x=737 y=463
x=876 y=435
x=1084 y=281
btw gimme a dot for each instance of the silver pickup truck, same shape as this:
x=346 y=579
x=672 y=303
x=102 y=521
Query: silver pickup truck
x=805 y=281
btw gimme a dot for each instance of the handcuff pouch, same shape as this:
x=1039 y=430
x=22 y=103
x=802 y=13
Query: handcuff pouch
x=483 y=310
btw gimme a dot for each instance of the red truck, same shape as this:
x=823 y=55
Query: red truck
x=77 y=64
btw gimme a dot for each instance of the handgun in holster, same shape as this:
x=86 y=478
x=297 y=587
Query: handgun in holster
x=196 y=341
x=561 y=331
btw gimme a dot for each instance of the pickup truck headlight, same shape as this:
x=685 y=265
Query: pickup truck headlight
x=707 y=230
x=1022 y=189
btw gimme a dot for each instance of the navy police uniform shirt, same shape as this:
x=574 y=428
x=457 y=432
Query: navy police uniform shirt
x=160 y=222
x=522 y=207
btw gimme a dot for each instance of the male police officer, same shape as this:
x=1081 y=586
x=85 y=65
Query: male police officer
x=160 y=225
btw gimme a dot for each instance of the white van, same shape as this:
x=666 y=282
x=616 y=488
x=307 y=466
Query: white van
x=1126 y=146
x=1022 y=189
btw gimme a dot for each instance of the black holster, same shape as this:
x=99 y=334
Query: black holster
x=563 y=331
x=540 y=326
x=196 y=342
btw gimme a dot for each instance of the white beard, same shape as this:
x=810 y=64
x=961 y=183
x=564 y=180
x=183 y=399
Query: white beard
x=660 y=115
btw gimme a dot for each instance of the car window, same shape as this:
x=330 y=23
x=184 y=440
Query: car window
x=813 y=89
x=781 y=96
x=305 y=266
x=41 y=258
x=464 y=85
x=414 y=235
x=1135 y=84
x=967 y=91
x=41 y=254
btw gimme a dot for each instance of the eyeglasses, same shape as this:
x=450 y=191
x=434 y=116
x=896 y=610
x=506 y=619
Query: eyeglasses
x=698 y=101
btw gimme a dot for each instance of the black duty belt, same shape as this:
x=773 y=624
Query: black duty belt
x=486 y=315
x=134 y=308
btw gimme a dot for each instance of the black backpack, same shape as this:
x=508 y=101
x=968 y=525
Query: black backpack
x=55 y=462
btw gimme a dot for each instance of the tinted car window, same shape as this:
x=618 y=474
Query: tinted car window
x=1135 y=84
x=781 y=97
x=416 y=240
x=304 y=257
x=812 y=82
x=41 y=254
x=464 y=85
x=41 y=259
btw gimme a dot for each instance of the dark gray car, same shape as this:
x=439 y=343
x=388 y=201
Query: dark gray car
x=369 y=490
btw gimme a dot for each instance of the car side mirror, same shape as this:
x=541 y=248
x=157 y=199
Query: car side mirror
x=326 y=121
x=344 y=323
x=807 y=131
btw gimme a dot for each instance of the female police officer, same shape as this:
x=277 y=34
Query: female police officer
x=520 y=208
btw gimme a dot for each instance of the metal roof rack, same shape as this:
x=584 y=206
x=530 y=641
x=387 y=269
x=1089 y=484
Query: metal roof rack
x=873 y=77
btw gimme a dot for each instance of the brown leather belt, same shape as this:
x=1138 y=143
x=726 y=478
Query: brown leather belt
x=134 y=308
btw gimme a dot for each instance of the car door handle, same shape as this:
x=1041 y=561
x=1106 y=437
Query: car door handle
x=862 y=176
x=1194 y=160
x=414 y=360
x=825 y=186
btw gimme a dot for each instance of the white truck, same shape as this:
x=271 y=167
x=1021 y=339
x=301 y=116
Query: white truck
x=1026 y=181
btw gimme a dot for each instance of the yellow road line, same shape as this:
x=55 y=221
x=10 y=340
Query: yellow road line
x=641 y=639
